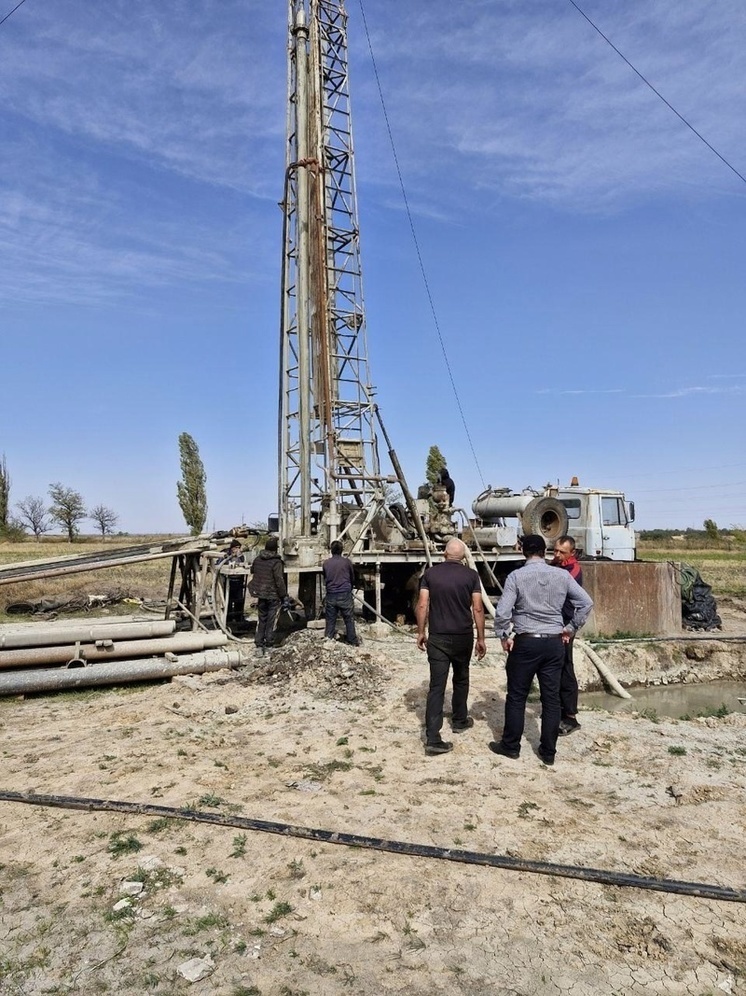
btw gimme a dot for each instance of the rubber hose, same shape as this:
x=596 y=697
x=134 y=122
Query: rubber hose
x=699 y=889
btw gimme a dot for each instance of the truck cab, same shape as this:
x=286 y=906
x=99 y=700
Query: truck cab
x=599 y=521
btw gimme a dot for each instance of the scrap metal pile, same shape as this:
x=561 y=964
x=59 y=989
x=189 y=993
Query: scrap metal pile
x=63 y=656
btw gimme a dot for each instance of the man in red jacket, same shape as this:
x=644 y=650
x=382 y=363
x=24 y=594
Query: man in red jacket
x=564 y=557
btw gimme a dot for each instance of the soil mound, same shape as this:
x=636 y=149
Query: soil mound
x=326 y=668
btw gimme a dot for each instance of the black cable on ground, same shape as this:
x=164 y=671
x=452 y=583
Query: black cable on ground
x=666 y=639
x=698 y=889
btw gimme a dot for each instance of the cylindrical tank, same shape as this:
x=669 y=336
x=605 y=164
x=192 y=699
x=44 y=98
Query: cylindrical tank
x=499 y=503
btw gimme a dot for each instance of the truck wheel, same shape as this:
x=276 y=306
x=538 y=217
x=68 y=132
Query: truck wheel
x=545 y=517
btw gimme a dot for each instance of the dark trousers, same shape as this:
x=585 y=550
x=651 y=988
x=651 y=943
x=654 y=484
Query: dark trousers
x=340 y=605
x=236 y=598
x=268 y=609
x=544 y=659
x=442 y=652
x=568 y=686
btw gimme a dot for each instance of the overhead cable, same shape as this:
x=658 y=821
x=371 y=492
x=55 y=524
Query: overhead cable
x=658 y=93
x=417 y=248
x=12 y=11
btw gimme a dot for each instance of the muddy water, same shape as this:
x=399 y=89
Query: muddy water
x=673 y=700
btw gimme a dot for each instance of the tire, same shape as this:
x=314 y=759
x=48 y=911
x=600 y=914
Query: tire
x=545 y=517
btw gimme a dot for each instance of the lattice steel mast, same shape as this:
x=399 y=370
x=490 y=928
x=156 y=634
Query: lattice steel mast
x=330 y=482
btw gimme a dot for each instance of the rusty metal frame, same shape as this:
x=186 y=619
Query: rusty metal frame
x=320 y=205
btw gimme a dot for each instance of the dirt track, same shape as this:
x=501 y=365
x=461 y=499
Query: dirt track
x=332 y=740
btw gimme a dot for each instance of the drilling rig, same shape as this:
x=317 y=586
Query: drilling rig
x=330 y=481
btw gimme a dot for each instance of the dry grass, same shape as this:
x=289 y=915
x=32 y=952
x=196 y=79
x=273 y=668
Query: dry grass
x=146 y=580
x=724 y=570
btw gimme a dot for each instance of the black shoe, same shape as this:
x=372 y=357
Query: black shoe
x=442 y=747
x=500 y=748
x=466 y=725
x=568 y=726
x=547 y=759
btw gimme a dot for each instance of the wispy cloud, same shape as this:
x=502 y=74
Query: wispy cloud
x=528 y=101
x=679 y=392
x=685 y=392
x=611 y=390
x=129 y=141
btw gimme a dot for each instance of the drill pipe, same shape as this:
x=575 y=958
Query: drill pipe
x=54 y=636
x=115 y=672
x=126 y=648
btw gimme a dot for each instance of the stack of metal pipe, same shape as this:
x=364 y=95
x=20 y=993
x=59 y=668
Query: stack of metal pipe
x=48 y=658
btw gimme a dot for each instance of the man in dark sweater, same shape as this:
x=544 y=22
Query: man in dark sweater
x=339 y=578
x=268 y=586
x=236 y=583
x=451 y=602
x=564 y=557
x=446 y=481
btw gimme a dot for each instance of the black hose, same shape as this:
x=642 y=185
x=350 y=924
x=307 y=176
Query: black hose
x=667 y=639
x=699 y=889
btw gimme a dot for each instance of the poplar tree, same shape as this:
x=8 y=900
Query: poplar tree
x=191 y=489
x=4 y=494
x=435 y=463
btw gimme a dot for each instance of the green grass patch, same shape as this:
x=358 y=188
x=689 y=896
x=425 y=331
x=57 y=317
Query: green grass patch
x=123 y=842
x=278 y=911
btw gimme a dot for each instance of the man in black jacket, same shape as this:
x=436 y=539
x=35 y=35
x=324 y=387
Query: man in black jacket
x=446 y=481
x=236 y=583
x=268 y=585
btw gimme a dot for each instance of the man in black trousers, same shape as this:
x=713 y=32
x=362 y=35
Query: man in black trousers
x=451 y=602
x=528 y=620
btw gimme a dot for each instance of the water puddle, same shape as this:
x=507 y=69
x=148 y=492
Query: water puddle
x=673 y=700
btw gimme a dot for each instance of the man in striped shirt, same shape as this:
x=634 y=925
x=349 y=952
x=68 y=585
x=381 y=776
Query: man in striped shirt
x=528 y=620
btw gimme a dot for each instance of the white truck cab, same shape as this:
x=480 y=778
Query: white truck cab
x=599 y=521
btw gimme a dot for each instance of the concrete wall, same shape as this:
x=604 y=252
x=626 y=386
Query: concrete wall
x=637 y=598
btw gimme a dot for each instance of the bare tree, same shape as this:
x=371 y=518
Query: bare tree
x=105 y=518
x=67 y=508
x=33 y=513
x=4 y=493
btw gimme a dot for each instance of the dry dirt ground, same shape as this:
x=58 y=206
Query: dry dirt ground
x=329 y=737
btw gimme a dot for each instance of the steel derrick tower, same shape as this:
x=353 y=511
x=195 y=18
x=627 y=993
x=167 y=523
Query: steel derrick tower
x=330 y=484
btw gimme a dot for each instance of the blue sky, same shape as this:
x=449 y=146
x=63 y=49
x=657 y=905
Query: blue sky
x=584 y=250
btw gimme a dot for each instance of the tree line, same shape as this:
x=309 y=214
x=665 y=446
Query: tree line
x=67 y=507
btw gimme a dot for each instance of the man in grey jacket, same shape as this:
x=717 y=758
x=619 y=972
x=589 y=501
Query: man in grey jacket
x=528 y=620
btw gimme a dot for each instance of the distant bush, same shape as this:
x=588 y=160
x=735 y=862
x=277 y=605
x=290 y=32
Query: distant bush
x=13 y=532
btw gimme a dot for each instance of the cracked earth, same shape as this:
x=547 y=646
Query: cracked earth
x=102 y=902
